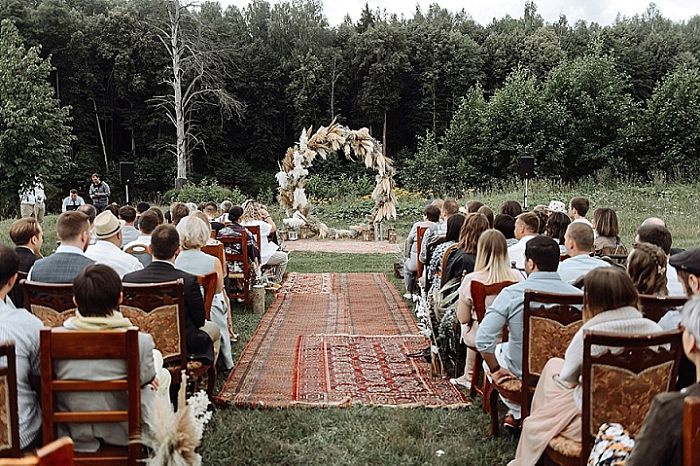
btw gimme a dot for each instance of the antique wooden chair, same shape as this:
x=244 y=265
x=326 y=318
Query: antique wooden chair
x=216 y=249
x=691 y=431
x=9 y=420
x=159 y=309
x=245 y=274
x=550 y=321
x=255 y=231
x=480 y=292
x=618 y=386
x=420 y=232
x=140 y=251
x=208 y=284
x=57 y=453
x=63 y=344
x=51 y=303
x=655 y=307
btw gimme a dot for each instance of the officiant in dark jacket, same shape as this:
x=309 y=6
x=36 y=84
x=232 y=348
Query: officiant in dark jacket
x=202 y=335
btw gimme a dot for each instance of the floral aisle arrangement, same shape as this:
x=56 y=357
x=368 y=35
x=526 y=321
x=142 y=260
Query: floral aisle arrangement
x=357 y=145
x=173 y=437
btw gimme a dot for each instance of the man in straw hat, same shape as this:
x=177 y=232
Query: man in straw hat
x=107 y=249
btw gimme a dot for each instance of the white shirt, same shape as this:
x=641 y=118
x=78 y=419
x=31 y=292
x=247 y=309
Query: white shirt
x=33 y=195
x=583 y=220
x=142 y=240
x=109 y=254
x=575 y=267
x=516 y=253
x=674 y=285
x=68 y=201
x=267 y=249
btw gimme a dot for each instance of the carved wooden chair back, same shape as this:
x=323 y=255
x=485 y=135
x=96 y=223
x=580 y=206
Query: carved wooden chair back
x=208 y=284
x=691 y=431
x=63 y=344
x=655 y=307
x=140 y=251
x=255 y=231
x=244 y=276
x=57 y=453
x=51 y=303
x=216 y=249
x=9 y=420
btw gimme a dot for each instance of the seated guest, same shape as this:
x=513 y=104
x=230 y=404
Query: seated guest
x=69 y=259
x=225 y=207
x=556 y=226
x=491 y=267
x=255 y=213
x=178 y=211
x=506 y=225
x=91 y=212
x=449 y=208
x=436 y=252
x=28 y=237
x=159 y=214
x=646 y=265
x=22 y=327
x=512 y=208
x=661 y=223
x=194 y=234
x=200 y=333
x=129 y=231
x=504 y=360
x=149 y=222
x=235 y=230
x=114 y=209
x=461 y=260
x=431 y=216
x=661 y=236
x=578 y=240
x=610 y=301
x=578 y=208
x=211 y=211
x=97 y=292
x=526 y=227
x=141 y=207
x=473 y=206
x=542 y=213
x=72 y=202
x=107 y=250
x=488 y=213
x=607 y=231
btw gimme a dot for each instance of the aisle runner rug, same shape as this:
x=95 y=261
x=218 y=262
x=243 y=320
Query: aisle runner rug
x=360 y=303
x=308 y=283
x=341 y=370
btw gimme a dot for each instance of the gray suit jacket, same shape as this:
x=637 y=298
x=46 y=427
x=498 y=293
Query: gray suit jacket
x=61 y=267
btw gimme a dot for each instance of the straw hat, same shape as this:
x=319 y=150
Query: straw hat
x=106 y=225
x=556 y=206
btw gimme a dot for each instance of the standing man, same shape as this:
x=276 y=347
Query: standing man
x=72 y=202
x=32 y=201
x=99 y=193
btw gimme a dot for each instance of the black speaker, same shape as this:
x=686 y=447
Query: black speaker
x=126 y=172
x=527 y=167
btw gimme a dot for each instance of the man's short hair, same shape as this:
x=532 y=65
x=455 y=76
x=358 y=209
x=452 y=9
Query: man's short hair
x=582 y=235
x=432 y=213
x=226 y=206
x=71 y=225
x=97 y=175
x=450 y=207
x=23 y=230
x=89 y=210
x=178 y=211
x=74 y=191
x=96 y=290
x=9 y=264
x=512 y=208
x=544 y=252
x=142 y=207
x=127 y=213
x=149 y=221
x=473 y=206
x=164 y=242
x=656 y=234
x=235 y=213
x=531 y=221
x=505 y=224
x=581 y=204
x=159 y=214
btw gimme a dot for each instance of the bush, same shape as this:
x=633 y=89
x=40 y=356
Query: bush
x=204 y=191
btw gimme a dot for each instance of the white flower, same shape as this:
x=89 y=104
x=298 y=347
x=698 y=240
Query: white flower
x=199 y=404
x=282 y=179
x=439 y=453
x=300 y=200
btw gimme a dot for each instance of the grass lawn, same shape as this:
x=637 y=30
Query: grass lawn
x=358 y=435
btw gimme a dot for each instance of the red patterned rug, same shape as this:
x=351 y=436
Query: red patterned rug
x=341 y=370
x=356 y=304
x=307 y=283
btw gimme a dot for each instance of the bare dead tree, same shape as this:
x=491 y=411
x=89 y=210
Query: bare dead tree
x=196 y=77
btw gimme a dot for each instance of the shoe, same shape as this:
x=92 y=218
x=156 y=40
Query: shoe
x=234 y=338
x=511 y=424
x=415 y=298
x=408 y=296
x=459 y=382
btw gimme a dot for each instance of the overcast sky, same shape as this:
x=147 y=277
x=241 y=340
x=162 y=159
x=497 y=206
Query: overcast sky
x=483 y=11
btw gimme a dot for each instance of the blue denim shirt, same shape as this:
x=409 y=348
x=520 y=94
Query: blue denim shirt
x=507 y=308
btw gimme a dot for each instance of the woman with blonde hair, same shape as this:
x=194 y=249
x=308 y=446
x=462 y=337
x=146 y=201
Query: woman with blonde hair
x=646 y=266
x=194 y=233
x=492 y=266
x=255 y=214
x=609 y=301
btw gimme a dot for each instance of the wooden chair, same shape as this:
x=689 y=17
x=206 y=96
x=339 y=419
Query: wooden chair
x=9 y=420
x=420 y=232
x=57 y=453
x=159 y=309
x=245 y=274
x=655 y=307
x=17 y=292
x=51 y=303
x=255 y=231
x=208 y=284
x=140 y=251
x=216 y=249
x=550 y=321
x=618 y=386
x=480 y=292
x=62 y=344
x=615 y=259
x=691 y=431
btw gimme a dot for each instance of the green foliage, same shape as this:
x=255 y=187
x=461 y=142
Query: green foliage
x=427 y=171
x=204 y=191
x=339 y=186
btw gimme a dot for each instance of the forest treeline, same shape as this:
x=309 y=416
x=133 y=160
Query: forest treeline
x=456 y=102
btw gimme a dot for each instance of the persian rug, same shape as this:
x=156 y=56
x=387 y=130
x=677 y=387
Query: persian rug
x=341 y=370
x=307 y=283
x=358 y=304
x=349 y=246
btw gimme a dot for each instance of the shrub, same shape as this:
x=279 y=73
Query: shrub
x=204 y=191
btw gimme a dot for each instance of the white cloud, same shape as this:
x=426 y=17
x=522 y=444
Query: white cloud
x=601 y=11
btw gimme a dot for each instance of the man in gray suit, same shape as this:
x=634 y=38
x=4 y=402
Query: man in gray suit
x=69 y=259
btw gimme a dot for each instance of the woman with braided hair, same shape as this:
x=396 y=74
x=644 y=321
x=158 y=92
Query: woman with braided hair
x=646 y=265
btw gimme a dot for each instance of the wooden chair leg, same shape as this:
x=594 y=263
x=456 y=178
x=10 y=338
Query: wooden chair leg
x=476 y=370
x=493 y=411
x=211 y=381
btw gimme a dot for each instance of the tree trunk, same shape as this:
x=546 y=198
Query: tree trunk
x=181 y=149
x=384 y=136
x=102 y=139
x=334 y=78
